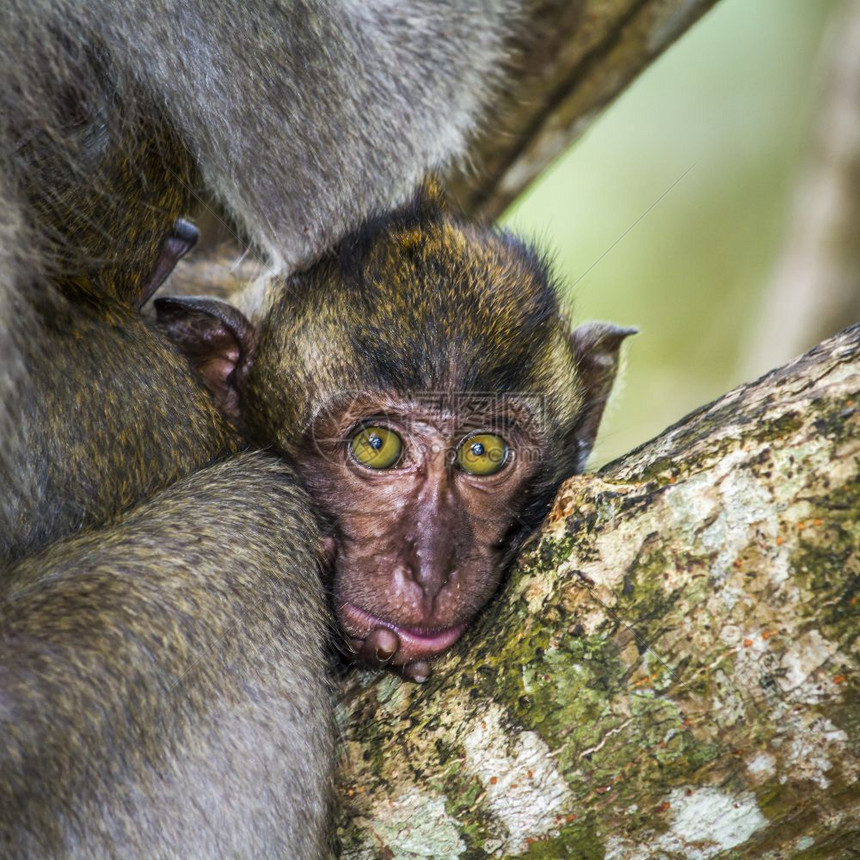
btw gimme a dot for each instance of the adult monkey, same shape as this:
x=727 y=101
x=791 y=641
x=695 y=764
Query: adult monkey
x=163 y=690
x=299 y=117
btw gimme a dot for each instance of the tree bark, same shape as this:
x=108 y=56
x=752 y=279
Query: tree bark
x=671 y=670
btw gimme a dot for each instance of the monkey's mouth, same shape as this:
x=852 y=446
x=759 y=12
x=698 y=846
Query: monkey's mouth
x=415 y=643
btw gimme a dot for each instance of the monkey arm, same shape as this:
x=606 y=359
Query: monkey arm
x=163 y=682
x=307 y=116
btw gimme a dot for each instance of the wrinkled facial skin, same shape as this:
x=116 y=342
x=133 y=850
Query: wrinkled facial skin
x=419 y=546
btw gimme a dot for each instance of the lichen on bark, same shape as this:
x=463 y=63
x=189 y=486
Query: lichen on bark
x=671 y=668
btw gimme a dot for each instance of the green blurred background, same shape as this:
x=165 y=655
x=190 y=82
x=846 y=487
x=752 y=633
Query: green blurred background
x=670 y=212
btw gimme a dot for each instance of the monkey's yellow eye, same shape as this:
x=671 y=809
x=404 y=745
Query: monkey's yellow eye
x=376 y=447
x=482 y=454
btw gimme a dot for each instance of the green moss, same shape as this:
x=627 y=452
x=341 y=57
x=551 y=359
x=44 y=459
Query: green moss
x=778 y=427
x=463 y=795
x=373 y=751
x=830 y=421
x=845 y=713
x=578 y=840
x=700 y=754
x=645 y=602
x=564 y=687
x=827 y=565
x=795 y=814
x=830 y=847
x=544 y=557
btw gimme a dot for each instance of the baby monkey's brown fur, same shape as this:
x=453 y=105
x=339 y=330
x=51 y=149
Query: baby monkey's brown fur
x=435 y=333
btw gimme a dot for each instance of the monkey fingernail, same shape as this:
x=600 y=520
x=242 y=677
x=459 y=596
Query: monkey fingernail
x=379 y=647
x=383 y=655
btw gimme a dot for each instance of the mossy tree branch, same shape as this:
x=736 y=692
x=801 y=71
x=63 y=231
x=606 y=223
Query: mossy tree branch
x=672 y=668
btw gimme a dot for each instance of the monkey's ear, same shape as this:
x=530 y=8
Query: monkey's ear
x=216 y=338
x=596 y=347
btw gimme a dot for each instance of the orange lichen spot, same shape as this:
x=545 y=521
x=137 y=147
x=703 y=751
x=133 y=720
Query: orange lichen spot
x=673 y=479
x=493 y=780
x=801 y=526
x=530 y=774
x=768 y=633
x=665 y=806
x=839 y=679
x=817 y=522
x=853 y=600
x=747 y=643
x=570 y=819
x=514 y=784
x=779 y=541
x=849 y=402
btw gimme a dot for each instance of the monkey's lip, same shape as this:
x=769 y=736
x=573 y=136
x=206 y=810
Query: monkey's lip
x=415 y=643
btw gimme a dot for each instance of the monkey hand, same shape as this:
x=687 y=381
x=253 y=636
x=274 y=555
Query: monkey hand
x=381 y=645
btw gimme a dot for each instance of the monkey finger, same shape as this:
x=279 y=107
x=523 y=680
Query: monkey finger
x=379 y=647
x=178 y=242
x=419 y=671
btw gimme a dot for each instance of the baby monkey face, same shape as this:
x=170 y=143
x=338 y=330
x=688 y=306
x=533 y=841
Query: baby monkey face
x=427 y=488
x=423 y=495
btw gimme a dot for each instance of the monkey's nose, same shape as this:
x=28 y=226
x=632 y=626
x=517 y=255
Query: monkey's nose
x=419 y=584
x=431 y=575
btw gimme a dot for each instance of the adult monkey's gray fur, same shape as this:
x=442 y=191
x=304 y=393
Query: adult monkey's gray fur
x=163 y=687
x=301 y=118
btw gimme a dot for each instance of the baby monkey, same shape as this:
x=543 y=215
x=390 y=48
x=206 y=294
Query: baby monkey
x=432 y=396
